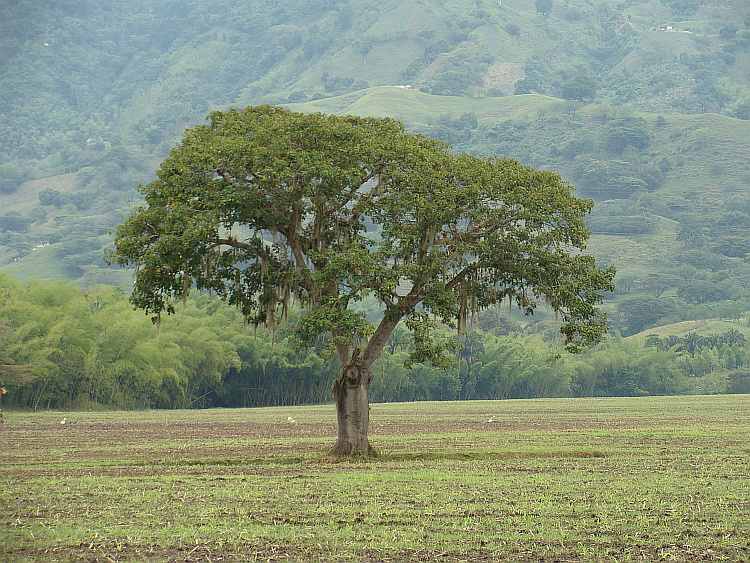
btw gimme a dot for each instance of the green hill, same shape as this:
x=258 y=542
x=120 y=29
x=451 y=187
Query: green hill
x=704 y=327
x=417 y=109
x=644 y=105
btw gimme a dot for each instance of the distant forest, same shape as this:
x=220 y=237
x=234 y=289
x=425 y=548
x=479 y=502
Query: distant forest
x=646 y=112
x=67 y=348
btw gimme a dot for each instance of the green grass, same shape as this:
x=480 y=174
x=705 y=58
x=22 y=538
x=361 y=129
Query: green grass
x=706 y=151
x=703 y=327
x=417 y=109
x=549 y=480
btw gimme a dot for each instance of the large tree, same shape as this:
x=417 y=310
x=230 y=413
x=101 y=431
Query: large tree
x=263 y=205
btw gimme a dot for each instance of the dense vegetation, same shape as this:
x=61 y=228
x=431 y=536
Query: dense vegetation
x=644 y=105
x=63 y=347
x=623 y=99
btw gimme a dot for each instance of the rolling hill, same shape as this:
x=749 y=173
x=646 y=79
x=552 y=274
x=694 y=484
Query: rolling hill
x=644 y=105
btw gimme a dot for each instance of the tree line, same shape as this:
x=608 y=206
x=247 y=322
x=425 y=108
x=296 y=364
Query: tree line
x=62 y=347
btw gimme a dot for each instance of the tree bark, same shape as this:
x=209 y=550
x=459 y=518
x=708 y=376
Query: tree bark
x=352 y=391
x=352 y=394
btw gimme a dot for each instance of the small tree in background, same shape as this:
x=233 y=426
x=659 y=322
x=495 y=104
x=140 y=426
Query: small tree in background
x=543 y=6
x=580 y=88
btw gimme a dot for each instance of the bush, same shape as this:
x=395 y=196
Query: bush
x=48 y=196
x=12 y=175
x=642 y=312
x=627 y=133
x=14 y=222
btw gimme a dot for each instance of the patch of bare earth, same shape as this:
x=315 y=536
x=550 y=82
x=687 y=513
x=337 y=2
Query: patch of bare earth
x=503 y=77
x=269 y=551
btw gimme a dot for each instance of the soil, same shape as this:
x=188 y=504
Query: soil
x=214 y=447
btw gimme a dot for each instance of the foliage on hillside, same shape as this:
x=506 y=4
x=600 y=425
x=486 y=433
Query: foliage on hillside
x=644 y=105
x=106 y=73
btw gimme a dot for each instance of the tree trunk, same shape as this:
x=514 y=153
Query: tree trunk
x=352 y=390
x=352 y=393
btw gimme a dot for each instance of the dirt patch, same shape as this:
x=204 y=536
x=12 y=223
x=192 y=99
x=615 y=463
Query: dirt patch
x=503 y=77
x=271 y=552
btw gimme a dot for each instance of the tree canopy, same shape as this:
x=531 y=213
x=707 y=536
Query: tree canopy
x=264 y=205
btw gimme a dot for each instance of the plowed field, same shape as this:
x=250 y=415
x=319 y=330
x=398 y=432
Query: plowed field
x=645 y=479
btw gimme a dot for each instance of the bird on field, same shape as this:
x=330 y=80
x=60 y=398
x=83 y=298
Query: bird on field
x=63 y=420
x=492 y=418
x=290 y=419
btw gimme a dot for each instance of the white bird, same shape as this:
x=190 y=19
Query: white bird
x=63 y=420
x=290 y=419
x=492 y=419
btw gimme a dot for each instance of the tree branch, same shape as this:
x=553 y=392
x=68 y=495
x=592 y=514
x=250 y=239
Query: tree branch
x=379 y=338
x=230 y=241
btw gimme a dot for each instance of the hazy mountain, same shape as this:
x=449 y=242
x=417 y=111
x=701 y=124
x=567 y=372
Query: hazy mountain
x=644 y=105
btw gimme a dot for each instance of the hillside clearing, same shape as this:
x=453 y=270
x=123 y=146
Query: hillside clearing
x=703 y=327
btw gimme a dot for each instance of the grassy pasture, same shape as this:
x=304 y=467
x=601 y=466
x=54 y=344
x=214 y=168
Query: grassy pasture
x=415 y=108
x=549 y=480
x=704 y=327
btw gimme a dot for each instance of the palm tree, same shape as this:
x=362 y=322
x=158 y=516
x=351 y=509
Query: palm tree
x=472 y=349
x=734 y=336
x=672 y=340
x=712 y=340
x=691 y=341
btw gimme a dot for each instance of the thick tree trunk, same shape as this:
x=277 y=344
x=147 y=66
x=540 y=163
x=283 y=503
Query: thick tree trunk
x=352 y=393
x=352 y=390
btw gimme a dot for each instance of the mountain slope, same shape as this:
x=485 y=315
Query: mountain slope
x=644 y=105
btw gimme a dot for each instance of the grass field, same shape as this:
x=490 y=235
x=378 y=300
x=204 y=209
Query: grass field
x=648 y=479
x=703 y=327
x=417 y=109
